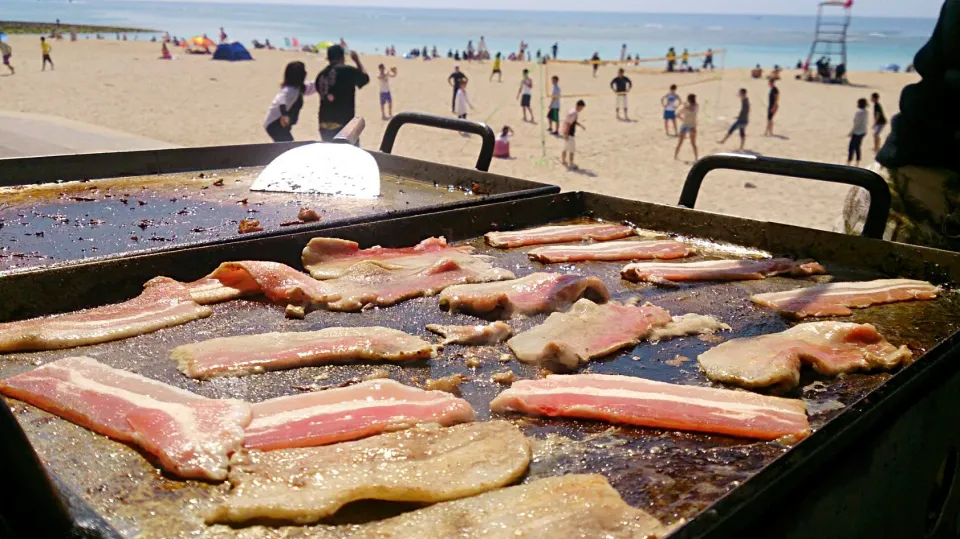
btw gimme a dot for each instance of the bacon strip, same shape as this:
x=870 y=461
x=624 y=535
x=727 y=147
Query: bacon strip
x=832 y=348
x=280 y=283
x=191 y=436
x=836 y=299
x=612 y=251
x=163 y=304
x=586 y=331
x=487 y=335
x=645 y=403
x=533 y=294
x=329 y=258
x=253 y=354
x=558 y=234
x=357 y=411
x=717 y=270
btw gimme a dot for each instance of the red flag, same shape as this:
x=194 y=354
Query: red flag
x=849 y=4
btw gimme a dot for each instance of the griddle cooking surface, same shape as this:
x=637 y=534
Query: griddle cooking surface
x=40 y=225
x=671 y=474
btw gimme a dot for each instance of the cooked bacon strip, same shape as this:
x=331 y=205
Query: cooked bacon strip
x=688 y=324
x=558 y=234
x=166 y=303
x=425 y=464
x=836 y=299
x=832 y=348
x=329 y=258
x=253 y=354
x=586 y=331
x=487 y=335
x=645 y=403
x=612 y=251
x=357 y=411
x=533 y=294
x=191 y=436
x=717 y=270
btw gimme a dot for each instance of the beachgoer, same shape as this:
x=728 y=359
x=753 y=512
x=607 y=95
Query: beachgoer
x=554 y=49
x=433 y=52
x=553 y=116
x=165 y=52
x=337 y=85
x=501 y=148
x=879 y=121
x=623 y=53
x=482 y=52
x=595 y=59
x=860 y=123
x=742 y=119
x=454 y=81
x=386 y=99
x=773 y=105
x=671 y=59
x=757 y=72
x=470 y=50
x=7 y=52
x=570 y=125
x=45 y=49
x=284 y=111
x=685 y=59
x=670 y=102
x=496 y=69
x=223 y=36
x=775 y=74
x=688 y=125
x=462 y=101
x=525 y=95
x=621 y=85
x=708 y=59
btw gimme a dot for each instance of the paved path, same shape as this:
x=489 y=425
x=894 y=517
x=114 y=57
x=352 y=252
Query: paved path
x=23 y=134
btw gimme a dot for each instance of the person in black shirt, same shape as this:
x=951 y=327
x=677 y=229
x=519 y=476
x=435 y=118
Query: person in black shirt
x=554 y=49
x=337 y=85
x=454 y=80
x=879 y=121
x=621 y=85
x=773 y=105
x=595 y=59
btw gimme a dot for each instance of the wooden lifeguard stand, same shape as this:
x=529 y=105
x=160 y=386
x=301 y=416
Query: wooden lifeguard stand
x=830 y=38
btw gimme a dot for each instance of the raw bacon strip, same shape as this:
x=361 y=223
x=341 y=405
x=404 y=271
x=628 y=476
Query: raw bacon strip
x=337 y=415
x=329 y=258
x=487 y=335
x=254 y=354
x=717 y=270
x=836 y=299
x=425 y=464
x=533 y=294
x=645 y=403
x=166 y=303
x=585 y=332
x=191 y=436
x=612 y=251
x=280 y=283
x=832 y=348
x=558 y=234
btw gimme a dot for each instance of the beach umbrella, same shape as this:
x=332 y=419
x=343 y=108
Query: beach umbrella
x=324 y=45
x=201 y=41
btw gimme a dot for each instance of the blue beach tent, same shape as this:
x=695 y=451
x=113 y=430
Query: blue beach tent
x=231 y=52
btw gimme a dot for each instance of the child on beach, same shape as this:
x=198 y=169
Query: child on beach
x=669 y=103
x=525 y=95
x=688 y=125
x=570 y=125
x=7 y=52
x=553 y=116
x=386 y=99
x=501 y=148
x=496 y=69
x=462 y=101
x=621 y=85
x=285 y=108
x=859 y=131
x=742 y=119
x=879 y=121
x=45 y=49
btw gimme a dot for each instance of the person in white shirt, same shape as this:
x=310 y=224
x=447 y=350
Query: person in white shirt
x=285 y=108
x=462 y=101
x=525 y=94
x=688 y=125
x=386 y=98
x=670 y=103
x=553 y=116
x=569 y=130
x=860 y=121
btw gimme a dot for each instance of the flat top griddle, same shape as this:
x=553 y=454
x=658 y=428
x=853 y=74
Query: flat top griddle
x=673 y=475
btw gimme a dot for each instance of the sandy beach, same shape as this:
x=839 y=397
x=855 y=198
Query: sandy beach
x=194 y=101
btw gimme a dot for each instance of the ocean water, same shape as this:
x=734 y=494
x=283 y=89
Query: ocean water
x=765 y=39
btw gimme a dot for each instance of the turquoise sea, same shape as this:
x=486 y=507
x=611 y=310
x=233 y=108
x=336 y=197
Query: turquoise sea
x=765 y=39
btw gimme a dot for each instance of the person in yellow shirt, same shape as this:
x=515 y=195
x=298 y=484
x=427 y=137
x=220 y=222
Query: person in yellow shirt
x=496 y=68
x=45 y=48
x=671 y=59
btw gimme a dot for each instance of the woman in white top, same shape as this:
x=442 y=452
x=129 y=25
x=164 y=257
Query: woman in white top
x=461 y=102
x=285 y=109
x=858 y=132
x=688 y=126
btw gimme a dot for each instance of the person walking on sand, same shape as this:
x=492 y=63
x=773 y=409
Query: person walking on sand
x=525 y=95
x=45 y=49
x=496 y=68
x=553 y=116
x=462 y=101
x=879 y=121
x=569 y=129
x=7 y=52
x=688 y=125
x=595 y=59
x=773 y=105
x=284 y=111
x=621 y=85
x=742 y=119
x=860 y=122
x=337 y=85
x=454 y=81
x=670 y=102
x=386 y=98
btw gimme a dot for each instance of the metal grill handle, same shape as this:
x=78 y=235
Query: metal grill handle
x=871 y=181
x=442 y=122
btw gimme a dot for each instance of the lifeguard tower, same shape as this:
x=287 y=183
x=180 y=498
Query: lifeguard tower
x=830 y=39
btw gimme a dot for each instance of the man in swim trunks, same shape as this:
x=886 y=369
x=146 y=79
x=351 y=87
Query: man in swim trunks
x=621 y=85
x=569 y=130
x=553 y=116
x=742 y=119
x=525 y=95
x=773 y=105
x=670 y=103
